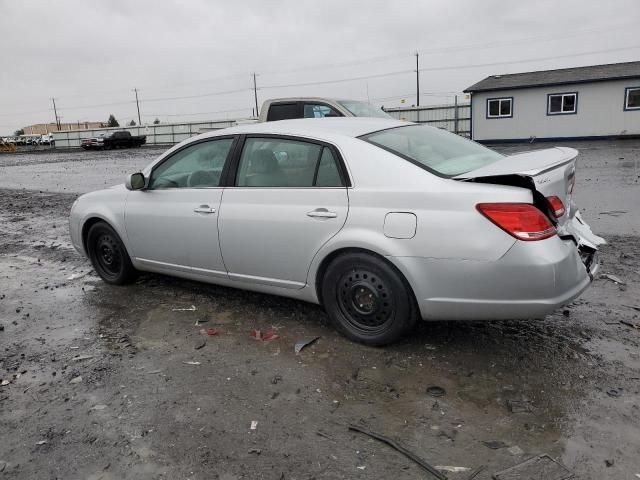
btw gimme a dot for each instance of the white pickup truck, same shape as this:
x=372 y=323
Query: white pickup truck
x=313 y=107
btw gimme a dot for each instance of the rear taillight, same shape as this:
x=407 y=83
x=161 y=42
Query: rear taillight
x=557 y=207
x=521 y=220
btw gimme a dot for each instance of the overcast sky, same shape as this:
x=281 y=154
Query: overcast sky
x=90 y=55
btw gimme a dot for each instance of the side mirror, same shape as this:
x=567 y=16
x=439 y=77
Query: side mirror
x=135 y=181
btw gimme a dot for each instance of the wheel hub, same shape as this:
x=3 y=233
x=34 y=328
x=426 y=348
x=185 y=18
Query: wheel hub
x=365 y=300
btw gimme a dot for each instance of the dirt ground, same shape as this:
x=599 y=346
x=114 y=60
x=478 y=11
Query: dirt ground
x=113 y=383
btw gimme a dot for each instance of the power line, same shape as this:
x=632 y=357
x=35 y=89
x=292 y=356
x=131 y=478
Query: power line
x=509 y=62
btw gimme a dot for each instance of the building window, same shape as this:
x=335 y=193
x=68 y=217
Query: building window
x=632 y=98
x=562 y=103
x=500 y=107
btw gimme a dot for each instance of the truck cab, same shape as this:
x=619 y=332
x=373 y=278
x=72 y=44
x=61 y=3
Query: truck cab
x=315 y=107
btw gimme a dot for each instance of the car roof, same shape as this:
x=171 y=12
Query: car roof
x=314 y=127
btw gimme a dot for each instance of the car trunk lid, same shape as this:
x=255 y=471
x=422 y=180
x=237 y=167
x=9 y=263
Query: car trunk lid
x=548 y=173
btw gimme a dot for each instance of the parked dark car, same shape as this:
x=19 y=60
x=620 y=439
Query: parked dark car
x=119 y=139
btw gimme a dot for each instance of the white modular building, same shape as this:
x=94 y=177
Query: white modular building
x=600 y=101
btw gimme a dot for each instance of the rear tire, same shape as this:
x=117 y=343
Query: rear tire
x=367 y=299
x=109 y=255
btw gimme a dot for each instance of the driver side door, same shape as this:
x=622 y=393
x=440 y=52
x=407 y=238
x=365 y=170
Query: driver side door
x=172 y=225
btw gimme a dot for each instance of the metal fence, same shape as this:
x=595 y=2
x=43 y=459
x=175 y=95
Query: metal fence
x=455 y=118
x=161 y=134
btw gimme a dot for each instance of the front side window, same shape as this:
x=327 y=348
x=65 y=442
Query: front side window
x=313 y=110
x=277 y=162
x=562 y=103
x=441 y=152
x=632 y=98
x=196 y=166
x=500 y=107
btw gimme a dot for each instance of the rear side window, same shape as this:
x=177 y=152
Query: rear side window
x=275 y=162
x=435 y=150
x=282 y=111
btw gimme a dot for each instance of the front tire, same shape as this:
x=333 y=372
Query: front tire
x=367 y=299
x=109 y=255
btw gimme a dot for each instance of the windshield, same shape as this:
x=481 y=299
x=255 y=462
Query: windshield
x=439 y=151
x=363 y=109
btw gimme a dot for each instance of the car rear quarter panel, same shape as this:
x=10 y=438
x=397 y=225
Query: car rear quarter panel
x=448 y=224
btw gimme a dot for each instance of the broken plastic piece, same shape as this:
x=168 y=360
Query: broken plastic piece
x=211 y=332
x=265 y=337
x=304 y=342
x=254 y=424
x=191 y=363
x=452 y=469
x=613 y=278
x=192 y=308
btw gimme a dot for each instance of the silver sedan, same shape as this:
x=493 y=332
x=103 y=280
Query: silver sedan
x=380 y=221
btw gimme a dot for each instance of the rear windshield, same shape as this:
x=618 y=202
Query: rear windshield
x=443 y=153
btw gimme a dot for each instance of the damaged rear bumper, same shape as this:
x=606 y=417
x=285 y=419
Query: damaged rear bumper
x=530 y=281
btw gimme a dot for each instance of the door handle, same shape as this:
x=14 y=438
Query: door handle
x=321 y=213
x=204 y=209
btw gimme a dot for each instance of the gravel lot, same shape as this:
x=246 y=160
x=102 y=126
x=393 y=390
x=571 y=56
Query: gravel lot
x=103 y=385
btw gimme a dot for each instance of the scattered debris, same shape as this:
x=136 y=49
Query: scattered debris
x=303 y=343
x=614 y=213
x=42 y=442
x=609 y=462
x=452 y=469
x=542 y=466
x=257 y=451
x=76 y=380
x=614 y=392
x=254 y=424
x=324 y=435
x=192 y=308
x=361 y=467
x=393 y=444
x=515 y=450
x=265 y=337
x=79 y=358
x=436 y=391
x=200 y=344
x=519 y=406
x=98 y=407
x=613 y=278
x=276 y=379
x=75 y=276
x=630 y=324
x=494 y=444
x=476 y=472
x=191 y=363
x=211 y=332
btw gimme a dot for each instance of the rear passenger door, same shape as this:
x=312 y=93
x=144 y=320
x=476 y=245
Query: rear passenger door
x=289 y=197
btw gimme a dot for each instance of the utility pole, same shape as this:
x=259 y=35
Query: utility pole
x=255 y=93
x=55 y=112
x=138 y=105
x=417 y=79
